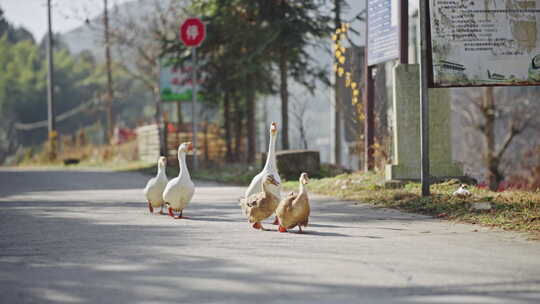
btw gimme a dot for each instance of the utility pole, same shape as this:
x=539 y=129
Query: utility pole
x=163 y=151
x=110 y=122
x=50 y=87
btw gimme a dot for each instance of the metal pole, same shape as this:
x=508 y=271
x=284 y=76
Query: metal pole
x=193 y=99
x=403 y=31
x=50 y=83
x=369 y=122
x=424 y=98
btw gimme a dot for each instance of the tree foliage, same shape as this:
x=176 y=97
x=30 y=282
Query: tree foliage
x=252 y=47
x=23 y=87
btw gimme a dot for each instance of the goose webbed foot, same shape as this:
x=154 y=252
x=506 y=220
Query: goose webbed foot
x=174 y=216
x=150 y=207
x=282 y=229
x=258 y=225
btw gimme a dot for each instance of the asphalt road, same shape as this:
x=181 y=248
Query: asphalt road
x=87 y=237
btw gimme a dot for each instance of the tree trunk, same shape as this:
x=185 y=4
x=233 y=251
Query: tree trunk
x=179 y=118
x=205 y=139
x=238 y=130
x=494 y=176
x=303 y=136
x=226 y=118
x=284 y=100
x=250 y=107
x=157 y=118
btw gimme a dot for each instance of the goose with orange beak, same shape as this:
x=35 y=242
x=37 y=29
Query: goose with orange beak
x=155 y=186
x=294 y=210
x=270 y=168
x=180 y=190
x=261 y=205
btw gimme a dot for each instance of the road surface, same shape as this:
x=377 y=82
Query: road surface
x=87 y=237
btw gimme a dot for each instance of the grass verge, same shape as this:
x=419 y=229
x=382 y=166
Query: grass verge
x=510 y=210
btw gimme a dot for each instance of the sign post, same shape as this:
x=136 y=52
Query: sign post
x=424 y=100
x=192 y=34
x=382 y=45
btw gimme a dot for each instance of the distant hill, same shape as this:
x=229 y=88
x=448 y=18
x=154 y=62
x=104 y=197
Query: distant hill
x=89 y=36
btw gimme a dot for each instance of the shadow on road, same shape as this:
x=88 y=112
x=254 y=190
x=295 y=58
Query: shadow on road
x=85 y=251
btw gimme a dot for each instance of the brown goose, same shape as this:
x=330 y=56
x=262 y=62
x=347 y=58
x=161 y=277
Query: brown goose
x=294 y=209
x=261 y=205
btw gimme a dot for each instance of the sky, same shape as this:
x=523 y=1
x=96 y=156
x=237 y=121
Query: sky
x=66 y=14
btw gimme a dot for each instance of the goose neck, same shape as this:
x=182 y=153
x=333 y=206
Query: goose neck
x=182 y=164
x=161 y=171
x=271 y=155
x=303 y=188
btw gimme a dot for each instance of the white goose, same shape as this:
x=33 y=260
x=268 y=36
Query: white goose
x=462 y=192
x=155 y=186
x=179 y=190
x=270 y=168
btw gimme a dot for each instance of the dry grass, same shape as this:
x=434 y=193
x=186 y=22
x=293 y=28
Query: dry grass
x=106 y=156
x=510 y=210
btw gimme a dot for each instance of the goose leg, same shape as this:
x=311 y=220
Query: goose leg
x=171 y=212
x=150 y=207
x=276 y=221
x=300 y=227
x=161 y=210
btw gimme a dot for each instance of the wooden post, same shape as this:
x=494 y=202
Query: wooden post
x=165 y=135
x=369 y=122
x=403 y=31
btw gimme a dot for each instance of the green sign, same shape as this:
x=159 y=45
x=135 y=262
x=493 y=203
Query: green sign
x=168 y=95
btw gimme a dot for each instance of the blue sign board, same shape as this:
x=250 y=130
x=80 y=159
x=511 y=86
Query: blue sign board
x=382 y=31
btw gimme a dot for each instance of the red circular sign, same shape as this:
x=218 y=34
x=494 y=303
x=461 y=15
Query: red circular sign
x=192 y=32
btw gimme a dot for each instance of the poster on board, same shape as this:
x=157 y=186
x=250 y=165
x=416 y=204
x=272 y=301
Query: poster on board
x=175 y=80
x=485 y=43
x=382 y=35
